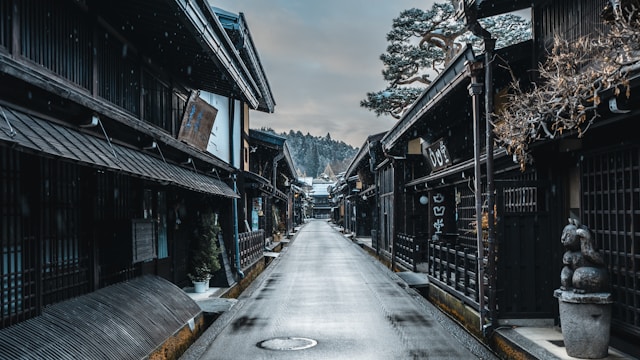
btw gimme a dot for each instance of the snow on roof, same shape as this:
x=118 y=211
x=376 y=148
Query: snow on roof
x=321 y=189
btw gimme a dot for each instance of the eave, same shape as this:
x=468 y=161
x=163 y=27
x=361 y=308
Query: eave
x=452 y=77
x=185 y=37
x=488 y=8
x=238 y=30
x=289 y=161
x=364 y=153
x=266 y=137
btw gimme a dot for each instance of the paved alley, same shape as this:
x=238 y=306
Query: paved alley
x=325 y=298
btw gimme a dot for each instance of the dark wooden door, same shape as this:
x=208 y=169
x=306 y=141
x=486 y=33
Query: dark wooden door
x=529 y=248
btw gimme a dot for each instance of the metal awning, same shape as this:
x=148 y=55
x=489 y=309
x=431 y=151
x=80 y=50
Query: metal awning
x=281 y=195
x=262 y=183
x=35 y=134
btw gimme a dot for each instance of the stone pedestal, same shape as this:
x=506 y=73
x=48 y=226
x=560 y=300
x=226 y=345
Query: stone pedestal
x=586 y=321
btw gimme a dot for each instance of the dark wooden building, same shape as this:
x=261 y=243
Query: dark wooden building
x=356 y=190
x=269 y=185
x=99 y=182
x=440 y=184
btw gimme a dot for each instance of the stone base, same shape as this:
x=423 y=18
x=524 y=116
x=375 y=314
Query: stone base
x=585 y=320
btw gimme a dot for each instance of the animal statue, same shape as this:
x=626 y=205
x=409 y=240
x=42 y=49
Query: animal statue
x=584 y=270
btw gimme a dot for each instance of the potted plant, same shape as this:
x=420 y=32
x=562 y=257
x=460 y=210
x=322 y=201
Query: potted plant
x=205 y=251
x=200 y=277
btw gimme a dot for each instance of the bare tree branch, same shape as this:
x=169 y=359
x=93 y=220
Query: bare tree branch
x=572 y=80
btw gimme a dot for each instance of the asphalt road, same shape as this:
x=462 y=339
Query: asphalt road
x=325 y=298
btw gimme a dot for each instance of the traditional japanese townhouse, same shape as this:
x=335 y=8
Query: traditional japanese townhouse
x=268 y=184
x=435 y=158
x=322 y=205
x=359 y=191
x=589 y=172
x=251 y=239
x=120 y=125
x=442 y=176
x=594 y=170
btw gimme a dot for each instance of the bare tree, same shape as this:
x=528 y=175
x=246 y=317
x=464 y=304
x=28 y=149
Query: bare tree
x=572 y=80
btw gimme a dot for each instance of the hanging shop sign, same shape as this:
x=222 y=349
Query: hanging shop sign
x=442 y=212
x=437 y=154
x=197 y=122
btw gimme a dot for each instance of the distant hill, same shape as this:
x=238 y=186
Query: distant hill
x=315 y=155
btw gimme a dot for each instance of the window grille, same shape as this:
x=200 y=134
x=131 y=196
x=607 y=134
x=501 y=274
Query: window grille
x=611 y=209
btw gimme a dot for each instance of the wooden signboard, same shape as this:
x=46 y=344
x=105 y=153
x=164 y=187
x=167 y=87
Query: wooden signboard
x=441 y=213
x=197 y=122
x=437 y=155
x=144 y=240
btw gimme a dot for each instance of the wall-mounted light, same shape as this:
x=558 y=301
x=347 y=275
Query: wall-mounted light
x=613 y=107
x=424 y=200
x=151 y=146
x=189 y=161
x=95 y=120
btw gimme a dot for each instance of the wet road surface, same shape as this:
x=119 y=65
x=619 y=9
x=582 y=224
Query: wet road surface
x=325 y=298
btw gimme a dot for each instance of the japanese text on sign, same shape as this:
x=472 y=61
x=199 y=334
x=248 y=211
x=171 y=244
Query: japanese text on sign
x=439 y=209
x=438 y=155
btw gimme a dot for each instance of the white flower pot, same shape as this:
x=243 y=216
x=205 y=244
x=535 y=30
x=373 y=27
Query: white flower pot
x=200 y=286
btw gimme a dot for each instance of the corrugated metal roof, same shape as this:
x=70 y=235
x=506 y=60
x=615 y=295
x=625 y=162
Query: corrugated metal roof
x=123 y=321
x=40 y=135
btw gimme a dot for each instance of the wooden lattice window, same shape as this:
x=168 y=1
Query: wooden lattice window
x=611 y=209
x=118 y=73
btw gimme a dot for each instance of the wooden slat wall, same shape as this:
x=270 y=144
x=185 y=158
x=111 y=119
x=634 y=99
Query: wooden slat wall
x=571 y=19
x=118 y=73
x=51 y=35
x=18 y=275
x=64 y=256
x=5 y=25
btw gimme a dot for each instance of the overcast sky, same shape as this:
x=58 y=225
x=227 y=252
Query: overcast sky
x=321 y=58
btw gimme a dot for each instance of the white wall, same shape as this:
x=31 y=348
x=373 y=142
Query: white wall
x=219 y=139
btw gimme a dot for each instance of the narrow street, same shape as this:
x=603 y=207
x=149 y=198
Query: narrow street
x=325 y=298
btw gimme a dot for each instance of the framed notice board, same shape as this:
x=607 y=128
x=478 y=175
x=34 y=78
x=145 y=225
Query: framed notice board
x=144 y=240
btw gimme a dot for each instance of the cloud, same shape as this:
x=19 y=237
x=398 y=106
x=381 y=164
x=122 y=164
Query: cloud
x=321 y=58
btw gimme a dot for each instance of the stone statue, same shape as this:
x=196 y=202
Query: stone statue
x=584 y=270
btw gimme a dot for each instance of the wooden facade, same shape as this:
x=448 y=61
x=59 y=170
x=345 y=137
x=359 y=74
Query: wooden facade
x=356 y=190
x=96 y=186
x=429 y=212
x=269 y=185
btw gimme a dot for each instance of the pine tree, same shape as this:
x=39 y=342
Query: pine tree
x=421 y=43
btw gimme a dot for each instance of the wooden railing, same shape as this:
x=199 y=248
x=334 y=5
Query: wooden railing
x=406 y=251
x=455 y=267
x=251 y=247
